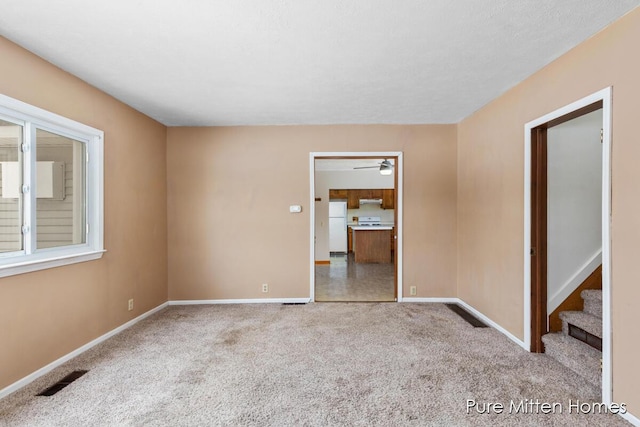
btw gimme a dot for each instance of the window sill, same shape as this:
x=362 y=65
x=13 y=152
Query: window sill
x=50 y=262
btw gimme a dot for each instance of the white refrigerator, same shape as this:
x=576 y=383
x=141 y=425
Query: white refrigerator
x=338 y=227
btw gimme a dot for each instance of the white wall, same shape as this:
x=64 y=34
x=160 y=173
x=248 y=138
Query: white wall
x=387 y=216
x=336 y=180
x=574 y=210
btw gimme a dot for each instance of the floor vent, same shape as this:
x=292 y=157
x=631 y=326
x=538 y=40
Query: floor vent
x=584 y=336
x=62 y=383
x=477 y=323
x=294 y=303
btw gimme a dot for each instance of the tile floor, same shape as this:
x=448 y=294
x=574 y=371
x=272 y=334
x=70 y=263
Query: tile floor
x=345 y=281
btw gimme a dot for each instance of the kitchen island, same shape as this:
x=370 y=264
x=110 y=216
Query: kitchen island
x=371 y=243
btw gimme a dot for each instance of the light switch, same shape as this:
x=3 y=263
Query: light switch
x=295 y=208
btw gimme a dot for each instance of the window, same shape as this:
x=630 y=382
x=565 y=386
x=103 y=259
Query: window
x=51 y=189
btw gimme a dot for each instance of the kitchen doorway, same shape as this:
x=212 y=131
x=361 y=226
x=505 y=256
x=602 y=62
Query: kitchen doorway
x=356 y=227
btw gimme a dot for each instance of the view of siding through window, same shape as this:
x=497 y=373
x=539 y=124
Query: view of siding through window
x=10 y=209
x=60 y=209
x=60 y=193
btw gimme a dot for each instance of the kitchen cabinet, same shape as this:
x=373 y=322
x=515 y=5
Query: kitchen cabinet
x=375 y=193
x=369 y=193
x=388 y=198
x=338 y=194
x=353 y=199
x=350 y=240
x=363 y=193
x=353 y=196
x=372 y=245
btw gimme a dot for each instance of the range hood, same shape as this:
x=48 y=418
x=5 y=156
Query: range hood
x=370 y=201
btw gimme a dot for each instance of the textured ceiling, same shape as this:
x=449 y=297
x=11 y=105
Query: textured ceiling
x=252 y=62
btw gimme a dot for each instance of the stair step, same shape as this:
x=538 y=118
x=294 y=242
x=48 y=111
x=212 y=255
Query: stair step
x=582 y=320
x=592 y=294
x=575 y=355
x=592 y=301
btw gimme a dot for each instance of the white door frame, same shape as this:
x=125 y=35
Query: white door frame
x=312 y=204
x=603 y=95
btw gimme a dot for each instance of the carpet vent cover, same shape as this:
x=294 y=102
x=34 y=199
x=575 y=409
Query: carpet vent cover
x=294 y=303
x=470 y=318
x=62 y=383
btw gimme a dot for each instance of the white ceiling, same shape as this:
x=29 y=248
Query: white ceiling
x=253 y=62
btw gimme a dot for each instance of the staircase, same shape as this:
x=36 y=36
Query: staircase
x=581 y=332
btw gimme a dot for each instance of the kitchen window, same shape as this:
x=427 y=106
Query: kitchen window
x=51 y=189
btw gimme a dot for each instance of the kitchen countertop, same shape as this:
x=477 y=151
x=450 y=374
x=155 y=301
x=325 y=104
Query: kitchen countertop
x=371 y=227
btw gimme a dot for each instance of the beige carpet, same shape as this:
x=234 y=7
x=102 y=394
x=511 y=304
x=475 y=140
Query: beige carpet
x=308 y=365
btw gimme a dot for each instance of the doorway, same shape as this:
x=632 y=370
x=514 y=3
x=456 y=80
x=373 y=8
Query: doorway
x=538 y=218
x=361 y=194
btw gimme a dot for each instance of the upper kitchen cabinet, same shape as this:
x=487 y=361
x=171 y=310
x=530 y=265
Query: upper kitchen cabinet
x=369 y=193
x=353 y=199
x=375 y=193
x=338 y=194
x=354 y=196
x=364 y=193
x=388 y=198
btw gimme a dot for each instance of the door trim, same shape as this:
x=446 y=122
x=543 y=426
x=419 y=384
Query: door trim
x=603 y=96
x=539 y=233
x=398 y=209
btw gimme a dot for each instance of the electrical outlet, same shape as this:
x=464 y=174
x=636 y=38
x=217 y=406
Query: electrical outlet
x=131 y=304
x=265 y=287
x=413 y=290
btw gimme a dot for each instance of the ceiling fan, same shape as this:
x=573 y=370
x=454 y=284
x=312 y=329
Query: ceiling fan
x=386 y=167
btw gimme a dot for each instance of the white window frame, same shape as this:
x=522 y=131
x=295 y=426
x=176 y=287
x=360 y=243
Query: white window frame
x=32 y=259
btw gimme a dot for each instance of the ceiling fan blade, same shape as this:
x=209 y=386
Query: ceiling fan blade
x=366 y=167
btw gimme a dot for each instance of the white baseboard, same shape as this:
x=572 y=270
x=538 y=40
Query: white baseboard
x=631 y=418
x=472 y=310
x=431 y=300
x=51 y=366
x=241 y=301
x=495 y=325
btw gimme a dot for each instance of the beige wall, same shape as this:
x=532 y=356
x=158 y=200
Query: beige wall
x=490 y=189
x=229 y=192
x=46 y=314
